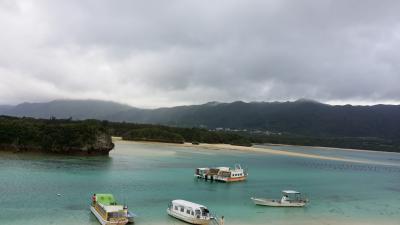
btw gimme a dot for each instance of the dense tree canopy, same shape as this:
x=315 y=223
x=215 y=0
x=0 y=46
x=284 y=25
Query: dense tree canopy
x=52 y=135
x=66 y=135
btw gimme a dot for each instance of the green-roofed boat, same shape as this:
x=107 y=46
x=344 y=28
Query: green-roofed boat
x=108 y=211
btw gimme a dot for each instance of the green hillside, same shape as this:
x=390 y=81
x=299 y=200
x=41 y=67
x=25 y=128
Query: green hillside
x=301 y=122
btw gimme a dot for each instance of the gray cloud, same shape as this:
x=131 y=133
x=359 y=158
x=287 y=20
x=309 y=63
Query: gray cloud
x=163 y=53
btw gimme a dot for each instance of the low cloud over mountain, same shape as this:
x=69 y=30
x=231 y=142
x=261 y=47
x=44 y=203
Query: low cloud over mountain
x=165 y=53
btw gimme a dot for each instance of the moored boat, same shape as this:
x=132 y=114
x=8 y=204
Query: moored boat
x=189 y=212
x=289 y=198
x=130 y=216
x=108 y=211
x=223 y=174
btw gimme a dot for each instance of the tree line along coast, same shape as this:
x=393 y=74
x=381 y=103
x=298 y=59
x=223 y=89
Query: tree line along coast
x=93 y=137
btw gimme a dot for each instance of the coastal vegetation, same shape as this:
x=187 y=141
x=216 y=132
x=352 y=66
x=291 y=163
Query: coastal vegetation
x=54 y=135
x=364 y=143
x=160 y=133
x=94 y=136
x=153 y=134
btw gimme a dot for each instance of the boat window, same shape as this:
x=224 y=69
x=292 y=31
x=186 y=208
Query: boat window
x=188 y=211
x=176 y=207
x=114 y=215
x=204 y=211
x=192 y=213
x=182 y=209
x=100 y=210
x=198 y=212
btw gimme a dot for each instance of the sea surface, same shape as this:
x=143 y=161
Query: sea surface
x=51 y=189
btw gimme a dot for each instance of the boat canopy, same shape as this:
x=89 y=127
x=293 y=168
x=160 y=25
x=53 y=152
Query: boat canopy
x=106 y=199
x=290 y=192
x=223 y=168
x=185 y=203
x=113 y=208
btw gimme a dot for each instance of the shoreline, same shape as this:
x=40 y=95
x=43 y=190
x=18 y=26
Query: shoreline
x=327 y=148
x=217 y=147
x=266 y=144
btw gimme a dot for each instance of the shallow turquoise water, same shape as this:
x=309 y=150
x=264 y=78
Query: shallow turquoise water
x=147 y=176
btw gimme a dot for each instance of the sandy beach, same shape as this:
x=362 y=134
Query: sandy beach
x=263 y=150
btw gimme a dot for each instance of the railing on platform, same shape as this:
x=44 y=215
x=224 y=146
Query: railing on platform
x=215 y=219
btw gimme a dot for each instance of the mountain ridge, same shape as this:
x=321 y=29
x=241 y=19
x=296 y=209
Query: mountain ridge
x=303 y=117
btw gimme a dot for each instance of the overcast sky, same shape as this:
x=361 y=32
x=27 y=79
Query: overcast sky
x=163 y=53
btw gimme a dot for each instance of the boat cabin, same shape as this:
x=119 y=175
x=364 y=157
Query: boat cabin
x=291 y=196
x=232 y=174
x=223 y=174
x=189 y=209
x=108 y=211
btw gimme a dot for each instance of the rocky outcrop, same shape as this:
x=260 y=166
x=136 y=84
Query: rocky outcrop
x=54 y=136
x=101 y=146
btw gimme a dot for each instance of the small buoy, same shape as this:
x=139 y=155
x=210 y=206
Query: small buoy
x=58 y=194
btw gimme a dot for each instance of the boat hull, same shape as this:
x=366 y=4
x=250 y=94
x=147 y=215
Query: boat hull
x=220 y=179
x=231 y=179
x=105 y=222
x=277 y=203
x=188 y=219
x=131 y=217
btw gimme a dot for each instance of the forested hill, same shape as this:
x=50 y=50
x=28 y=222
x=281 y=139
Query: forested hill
x=93 y=137
x=308 y=118
x=54 y=136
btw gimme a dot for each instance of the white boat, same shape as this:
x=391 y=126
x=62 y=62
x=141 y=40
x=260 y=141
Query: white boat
x=289 y=198
x=107 y=211
x=189 y=212
x=223 y=174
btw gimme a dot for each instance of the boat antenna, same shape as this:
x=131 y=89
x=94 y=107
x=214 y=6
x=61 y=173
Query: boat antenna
x=125 y=205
